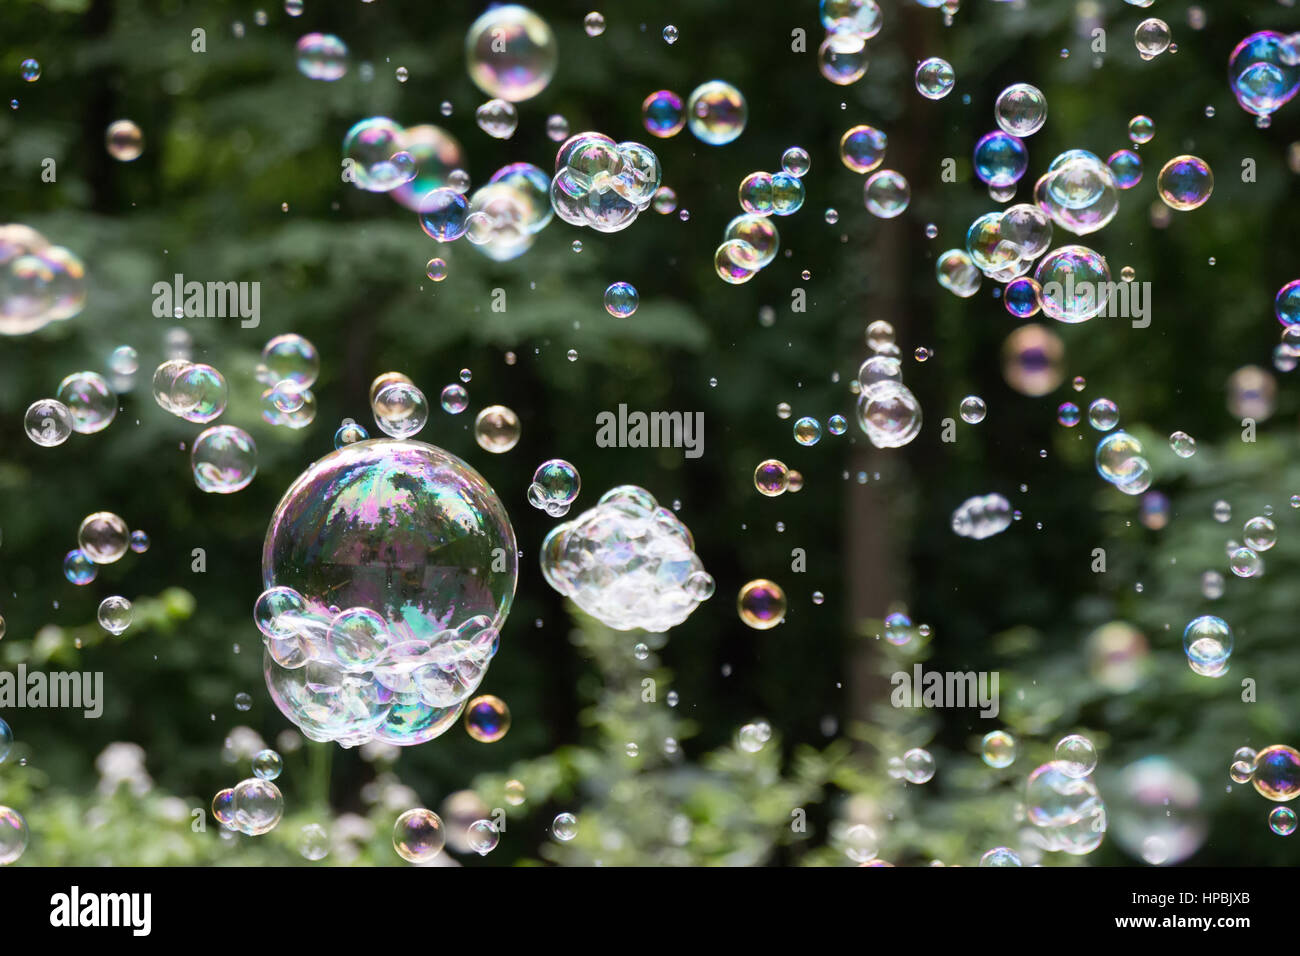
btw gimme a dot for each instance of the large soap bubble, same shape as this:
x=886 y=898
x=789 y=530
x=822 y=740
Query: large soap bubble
x=603 y=184
x=1264 y=74
x=390 y=566
x=627 y=562
x=1079 y=192
x=39 y=283
x=511 y=53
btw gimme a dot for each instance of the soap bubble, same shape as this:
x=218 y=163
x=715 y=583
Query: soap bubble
x=796 y=161
x=1207 y=642
x=1023 y=297
x=663 y=114
x=555 y=487
x=886 y=194
x=482 y=837
x=564 y=827
x=438 y=158
x=487 y=719
x=973 y=409
x=861 y=843
x=400 y=410
x=1260 y=533
x=935 y=78
x=1241 y=771
x=716 y=112
x=511 y=53
x=807 y=431
x=454 y=399
x=761 y=604
x=48 y=422
x=735 y=261
x=1182 y=444
x=603 y=184
x=1185 y=182
x=103 y=537
x=267 y=765
x=1076 y=756
x=627 y=562
x=758 y=234
x=787 y=194
x=1245 y=563
x=1277 y=773
x=1158 y=816
x=862 y=17
x=594 y=24
x=78 y=568
x=124 y=140
x=771 y=477
x=1075 y=283
x=1141 y=129
x=498 y=118
x=1287 y=303
x=223 y=807
x=755 y=193
x=289 y=358
x=114 y=614
x=1103 y=414
x=1263 y=73
x=1126 y=166
x=1119 y=457
x=898 y=629
x=92 y=404
x=496 y=429
x=377 y=161
x=13 y=835
x=621 y=300
x=139 y=542
x=998 y=749
x=223 y=459
x=889 y=414
x=313 y=842
x=1032 y=358
x=1252 y=393
x=1151 y=38
x=1078 y=192
x=958 y=273
x=1021 y=110
x=1001 y=856
x=1000 y=159
x=29 y=70
x=862 y=148
x=1067 y=413
x=198 y=393
x=443 y=214
x=1282 y=821
x=322 y=56
x=6 y=740
x=918 y=766
x=257 y=805
x=982 y=517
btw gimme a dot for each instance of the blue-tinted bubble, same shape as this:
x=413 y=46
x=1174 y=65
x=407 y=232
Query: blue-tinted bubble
x=1126 y=165
x=555 y=482
x=1000 y=159
x=787 y=194
x=1141 y=129
x=29 y=70
x=862 y=148
x=898 y=628
x=78 y=568
x=1022 y=297
x=1287 y=303
x=443 y=212
x=1264 y=73
x=1185 y=183
x=1067 y=413
x=348 y=433
x=6 y=740
x=807 y=431
x=837 y=424
x=1282 y=821
x=1207 y=642
x=487 y=719
x=717 y=112
x=621 y=300
x=663 y=114
x=982 y=517
x=139 y=542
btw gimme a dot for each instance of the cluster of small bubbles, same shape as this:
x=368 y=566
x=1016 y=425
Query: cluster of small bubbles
x=653 y=584
x=982 y=516
x=349 y=433
x=1066 y=811
x=267 y=764
x=376 y=156
x=973 y=409
x=1076 y=756
x=1260 y=533
x=761 y=604
x=621 y=300
x=603 y=184
x=564 y=827
x=1185 y=182
x=935 y=78
x=1067 y=413
x=1103 y=414
x=1126 y=166
x=998 y=749
x=1021 y=110
x=886 y=194
x=1078 y=192
x=1277 y=773
x=1001 y=856
x=124 y=140
x=48 y=422
x=1282 y=821
x=13 y=835
x=862 y=148
x=498 y=118
x=114 y=614
x=223 y=459
x=554 y=487
x=1207 y=642
x=807 y=431
x=496 y=429
x=1264 y=74
x=78 y=568
x=918 y=766
x=418 y=835
x=487 y=719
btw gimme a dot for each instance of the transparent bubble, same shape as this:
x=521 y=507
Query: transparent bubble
x=663 y=114
x=556 y=482
x=114 y=614
x=515 y=793
x=1126 y=166
x=862 y=148
x=862 y=17
x=267 y=765
x=787 y=194
x=198 y=393
x=496 y=429
x=861 y=843
x=886 y=194
x=998 y=749
x=1000 y=856
x=1282 y=821
x=751 y=738
x=1151 y=38
x=223 y=459
x=322 y=56
x=1260 y=533
x=1021 y=110
x=487 y=719
x=29 y=70
x=6 y=740
x=1241 y=771
x=124 y=140
x=48 y=422
x=594 y=24
x=796 y=161
x=1185 y=182
x=376 y=159
x=13 y=835
x=621 y=300
x=889 y=414
x=289 y=358
x=935 y=78
x=670 y=34
x=1277 y=773
x=498 y=118
x=511 y=53
x=482 y=837
x=103 y=537
x=918 y=766
x=958 y=273
x=78 y=568
x=982 y=517
x=1074 y=283
x=1245 y=563
x=564 y=827
x=313 y=842
x=89 y=400
x=348 y=433
x=842 y=57
x=257 y=806
x=1076 y=756
x=400 y=410
x=1118 y=457
x=1263 y=73
x=438 y=159
x=749 y=243
x=1207 y=642
x=716 y=113
x=1183 y=444
x=123 y=360
x=771 y=477
x=807 y=431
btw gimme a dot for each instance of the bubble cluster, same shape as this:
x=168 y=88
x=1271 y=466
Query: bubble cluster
x=193 y=391
x=603 y=184
x=1264 y=74
x=554 y=487
x=627 y=562
x=39 y=283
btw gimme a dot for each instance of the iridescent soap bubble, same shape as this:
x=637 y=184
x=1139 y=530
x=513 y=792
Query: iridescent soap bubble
x=1076 y=756
x=735 y=261
x=419 y=548
x=998 y=749
x=862 y=17
x=13 y=835
x=837 y=425
x=257 y=806
x=223 y=459
x=1157 y=816
x=982 y=517
x=1185 y=182
x=890 y=415
x=418 y=835
x=511 y=53
x=199 y=393
x=291 y=358
x=1022 y=297
x=603 y=184
x=1277 y=773
x=48 y=422
x=1001 y=856
x=957 y=273
x=1078 y=192
x=443 y=213
x=594 y=24
x=842 y=57
x=787 y=194
x=886 y=194
x=898 y=629
x=1263 y=73
x=1103 y=414
x=861 y=843
x=267 y=764
x=487 y=719
x=760 y=238
x=438 y=158
x=918 y=766
x=862 y=148
x=436 y=269
x=1286 y=305
x=1151 y=38
x=554 y=487
x=1075 y=283
x=1067 y=413
x=6 y=740
x=29 y=70
x=124 y=140
x=934 y=78
x=627 y=562
x=1141 y=129
x=375 y=157
x=771 y=477
x=78 y=568
x=1244 y=562
x=716 y=112
x=103 y=537
x=807 y=431
x=1182 y=444
x=114 y=614
x=1020 y=110
x=796 y=161
x=400 y=410
x=496 y=429
x=564 y=827
x=1282 y=821
x=663 y=114
x=761 y=604
x=89 y=400
x=1240 y=771
x=1260 y=533
x=322 y=56
x=1208 y=643
x=1000 y=159
x=498 y=118
x=621 y=299
x=482 y=836
x=1126 y=166
x=223 y=807
x=1032 y=358
x=454 y=399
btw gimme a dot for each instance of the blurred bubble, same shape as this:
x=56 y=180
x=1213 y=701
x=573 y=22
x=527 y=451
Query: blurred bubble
x=1076 y=756
x=496 y=429
x=998 y=749
x=511 y=53
x=1207 y=642
x=1157 y=815
x=663 y=114
x=13 y=835
x=1252 y=393
x=982 y=517
x=1118 y=656
x=1032 y=360
x=418 y=835
x=918 y=766
x=716 y=113
x=487 y=719
x=322 y=56
x=124 y=140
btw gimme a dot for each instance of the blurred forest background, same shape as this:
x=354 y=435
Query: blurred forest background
x=233 y=134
